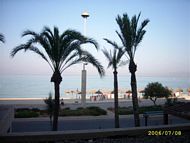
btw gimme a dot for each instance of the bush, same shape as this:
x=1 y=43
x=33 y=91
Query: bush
x=26 y=114
x=22 y=109
x=129 y=110
x=80 y=108
x=67 y=108
x=35 y=109
x=125 y=111
x=150 y=108
x=89 y=111
x=43 y=112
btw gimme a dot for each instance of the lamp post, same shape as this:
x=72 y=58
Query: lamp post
x=85 y=15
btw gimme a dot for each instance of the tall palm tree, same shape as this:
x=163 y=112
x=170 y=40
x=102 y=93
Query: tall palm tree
x=114 y=59
x=2 y=38
x=60 y=51
x=131 y=35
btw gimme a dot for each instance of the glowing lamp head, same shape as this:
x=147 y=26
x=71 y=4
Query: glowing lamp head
x=85 y=14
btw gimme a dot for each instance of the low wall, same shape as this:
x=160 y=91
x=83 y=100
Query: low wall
x=90 y=134
x=6 y=117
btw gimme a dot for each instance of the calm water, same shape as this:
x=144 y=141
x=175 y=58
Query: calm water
x=38 y=86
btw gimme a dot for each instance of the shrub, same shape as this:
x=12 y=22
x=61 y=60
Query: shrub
x=80 y=108
x=22 y=109
x=26 y=114
x=129 y=110
x=89 y=111
x=67 y=108
x=125 y=111
x=35 y=109
x=150 y=108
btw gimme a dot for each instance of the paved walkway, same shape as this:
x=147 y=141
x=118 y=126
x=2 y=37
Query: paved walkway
x=87 y=122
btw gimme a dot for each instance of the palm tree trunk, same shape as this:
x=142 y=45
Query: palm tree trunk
x=56 y=78
x=116 y=99
x=56 y=107
x=132 y=69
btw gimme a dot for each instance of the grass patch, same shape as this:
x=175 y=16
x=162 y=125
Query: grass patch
x=129 y=110
x=26 y=114
x=89 y=111
x=30 y=113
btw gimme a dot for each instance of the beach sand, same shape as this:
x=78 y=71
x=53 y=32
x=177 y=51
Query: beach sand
x=71 y=103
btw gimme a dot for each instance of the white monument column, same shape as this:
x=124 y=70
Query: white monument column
x=84 y=73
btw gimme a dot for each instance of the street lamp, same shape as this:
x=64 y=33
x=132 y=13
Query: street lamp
x=84 y=64
x=85 y=15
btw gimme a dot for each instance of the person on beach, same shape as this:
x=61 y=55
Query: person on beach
x=62 y=103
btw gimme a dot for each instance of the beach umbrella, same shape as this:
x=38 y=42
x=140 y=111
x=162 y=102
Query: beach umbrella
x=188 y=90
x=67 y=91
x=179 y=90
x=121 y=91
x=141 y=91
x=79 y=92
x=128 y=91
x=92 y=91
x=98 y=92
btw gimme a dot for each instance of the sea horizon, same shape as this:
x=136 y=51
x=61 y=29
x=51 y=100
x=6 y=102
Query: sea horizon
x=39 y=86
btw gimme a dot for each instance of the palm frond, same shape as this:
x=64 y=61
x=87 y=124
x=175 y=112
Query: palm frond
x=108 y=55
x=120 y=54
x=89 y=58
x=125 y=35
x=113 y=57
x=17 y=49
x=130 y=35
x=141 y=32
x=121 y=38
x=37 y=51
x=61 y=50
x=67 y=60
x=113 y=43
x=68 y=49
x=123 y=63
x=72 y=62
x=29 y=32
x=2 y=38
x=48 y=30
x=92 y=41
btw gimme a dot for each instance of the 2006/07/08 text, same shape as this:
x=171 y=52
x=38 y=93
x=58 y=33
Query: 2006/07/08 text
x=164 y=133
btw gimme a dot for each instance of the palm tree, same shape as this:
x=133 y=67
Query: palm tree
x=60 y=51
x=2 y=38
x=114 y=59
x=131 y=35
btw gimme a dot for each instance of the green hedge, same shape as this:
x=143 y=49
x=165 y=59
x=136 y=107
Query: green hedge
x=26 y=114
x=89 y=111
x=129 y=110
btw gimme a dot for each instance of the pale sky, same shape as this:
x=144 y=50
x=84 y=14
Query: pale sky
x=164 y=51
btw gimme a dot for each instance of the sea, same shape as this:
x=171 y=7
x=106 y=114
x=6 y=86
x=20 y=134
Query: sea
x=39 y=86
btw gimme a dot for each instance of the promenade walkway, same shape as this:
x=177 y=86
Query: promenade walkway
x=86 y=123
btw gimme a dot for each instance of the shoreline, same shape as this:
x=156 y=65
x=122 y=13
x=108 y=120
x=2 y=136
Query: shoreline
x=183 y=95
x=39 y=103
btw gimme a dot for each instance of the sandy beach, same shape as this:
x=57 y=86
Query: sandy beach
x=71 y=103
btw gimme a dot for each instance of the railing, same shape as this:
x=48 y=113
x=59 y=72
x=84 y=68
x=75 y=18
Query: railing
x=89 y=135
x=6 y=117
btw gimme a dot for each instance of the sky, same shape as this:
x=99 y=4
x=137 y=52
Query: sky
x=164 y=50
